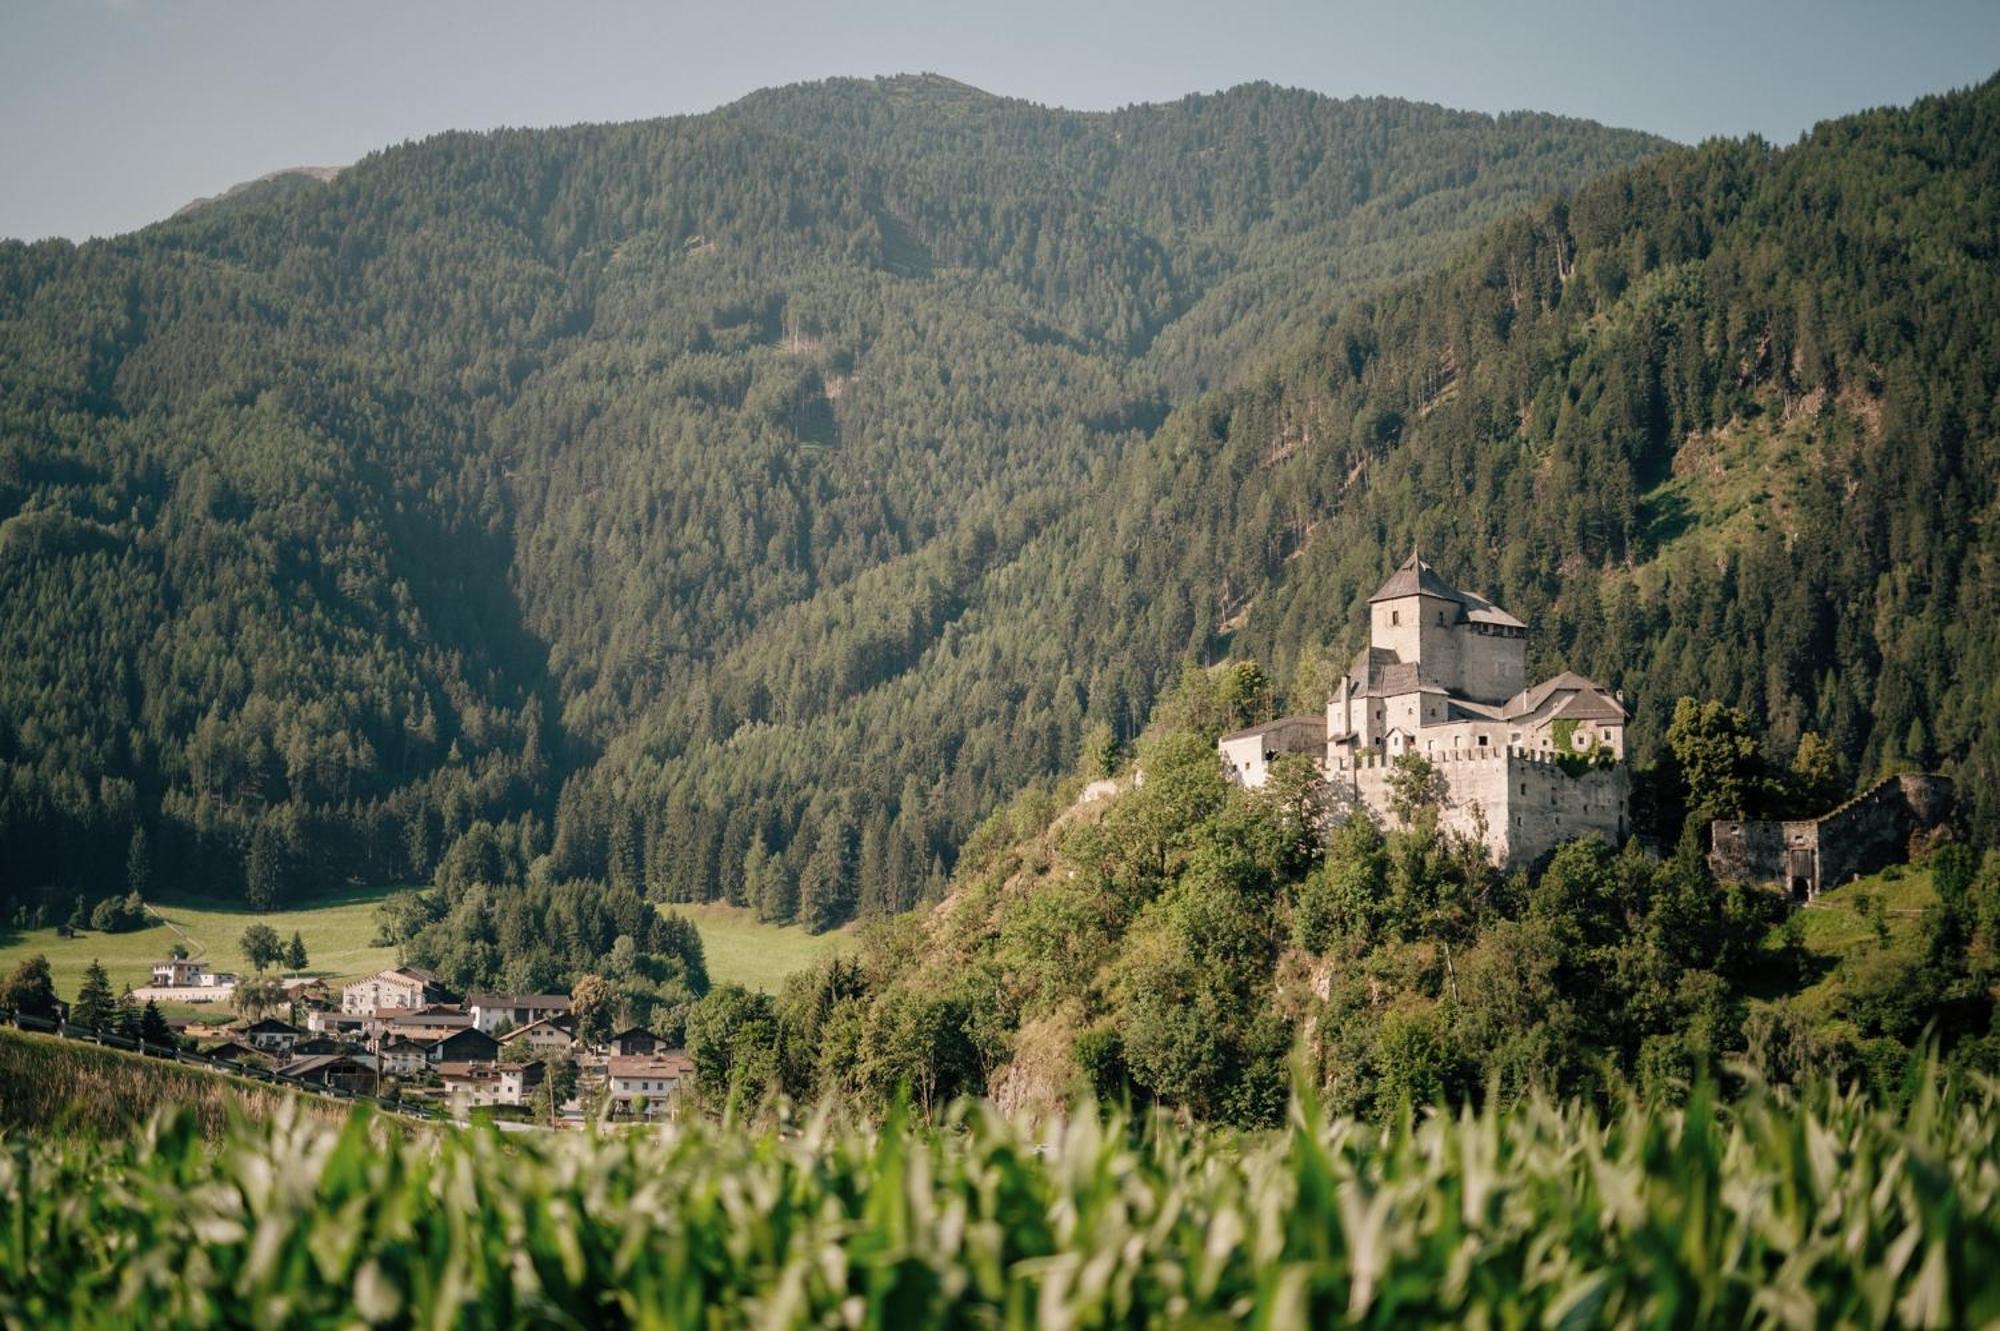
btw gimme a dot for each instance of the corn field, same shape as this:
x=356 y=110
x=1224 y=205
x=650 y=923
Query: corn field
x=1828 y=1212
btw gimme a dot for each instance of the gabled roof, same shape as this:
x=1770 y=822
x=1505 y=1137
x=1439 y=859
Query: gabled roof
x=1592 y=705
x=462 y=1033
x=481 y=1071
x=272 y=1026
x=1479 y=610
x=1303 y=721
x=1416 y=578
x=1529 y=701
x=559 y=1023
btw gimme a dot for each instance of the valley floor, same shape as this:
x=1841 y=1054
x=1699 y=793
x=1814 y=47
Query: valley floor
x=339 y=932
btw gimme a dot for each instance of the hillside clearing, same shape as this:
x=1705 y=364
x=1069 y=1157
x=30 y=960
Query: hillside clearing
x=742 y=949
x=338 y=930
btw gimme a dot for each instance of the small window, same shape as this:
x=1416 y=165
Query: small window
x=1482 y=741
x=1396 y=617
x=1440 y=616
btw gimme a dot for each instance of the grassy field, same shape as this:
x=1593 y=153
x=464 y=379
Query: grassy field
x=742 y=949
x=1834 y=922
x=1836 y=926
x=337 y=931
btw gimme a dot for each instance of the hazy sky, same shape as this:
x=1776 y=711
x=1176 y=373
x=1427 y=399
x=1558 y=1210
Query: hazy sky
x=115 y=112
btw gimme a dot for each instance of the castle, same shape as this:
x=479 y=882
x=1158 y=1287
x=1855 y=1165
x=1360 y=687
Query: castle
x=1442 y=677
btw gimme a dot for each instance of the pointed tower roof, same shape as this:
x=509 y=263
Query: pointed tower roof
x=1416 y=578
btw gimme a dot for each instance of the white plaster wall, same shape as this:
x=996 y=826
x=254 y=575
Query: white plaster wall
x=1245 y=759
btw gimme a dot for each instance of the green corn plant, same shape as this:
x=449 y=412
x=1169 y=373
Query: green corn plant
x=1823 y=1210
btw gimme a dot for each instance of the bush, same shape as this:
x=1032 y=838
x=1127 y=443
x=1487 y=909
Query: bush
x=118 y=915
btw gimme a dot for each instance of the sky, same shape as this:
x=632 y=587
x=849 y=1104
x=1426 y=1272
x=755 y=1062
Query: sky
x=113 y=113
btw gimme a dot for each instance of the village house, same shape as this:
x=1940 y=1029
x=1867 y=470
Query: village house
x=425 y=1025
x=272 y=1035
x=637 y=1040
x=398 y=987
x=1443 y=678
x=549 y=1036
x=490 y=1011
x=341 y=1025
x=470 y=1085
x=235 y=1051
x=319 y=1044
x=651 y=1078
x=187 y=973
x=341 y=1072
x=402 y=1058
x=463 y=1046
x=178 y=972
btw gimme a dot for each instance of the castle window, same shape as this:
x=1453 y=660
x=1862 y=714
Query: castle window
x=1395 y=617
x=1482 y=741
x=1440 y=616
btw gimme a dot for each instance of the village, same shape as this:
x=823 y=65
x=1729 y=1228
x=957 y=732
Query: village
x=401 y=1036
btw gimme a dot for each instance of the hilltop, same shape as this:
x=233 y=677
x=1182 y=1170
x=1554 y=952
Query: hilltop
x=271 y=187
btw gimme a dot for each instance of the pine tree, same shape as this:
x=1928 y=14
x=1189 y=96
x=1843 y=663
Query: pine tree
x=826 y=883
x=153 y=1028
x=128 y=1014
x=264 y=872
x=139 y=862
x=295 y=952
x=96 y=1006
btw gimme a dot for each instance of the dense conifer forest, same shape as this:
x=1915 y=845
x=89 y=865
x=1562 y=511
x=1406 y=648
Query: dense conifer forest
x=627 y=497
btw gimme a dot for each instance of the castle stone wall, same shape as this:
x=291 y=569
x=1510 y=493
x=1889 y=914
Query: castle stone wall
x=1492 y=668
x=1520 y=804
x=1808 y=855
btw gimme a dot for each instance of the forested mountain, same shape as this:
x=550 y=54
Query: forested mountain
x=1720 y=426
x=694 y=469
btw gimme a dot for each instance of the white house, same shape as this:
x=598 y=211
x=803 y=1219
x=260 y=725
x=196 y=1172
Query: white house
x=649 y=1077
x=402 y=1058
x=490 y=1010
x=178 y=972
x=551 y=1035
x=472 y=1084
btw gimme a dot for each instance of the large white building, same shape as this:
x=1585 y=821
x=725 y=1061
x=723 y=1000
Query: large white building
x=398 y=987
x=1444 y=677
